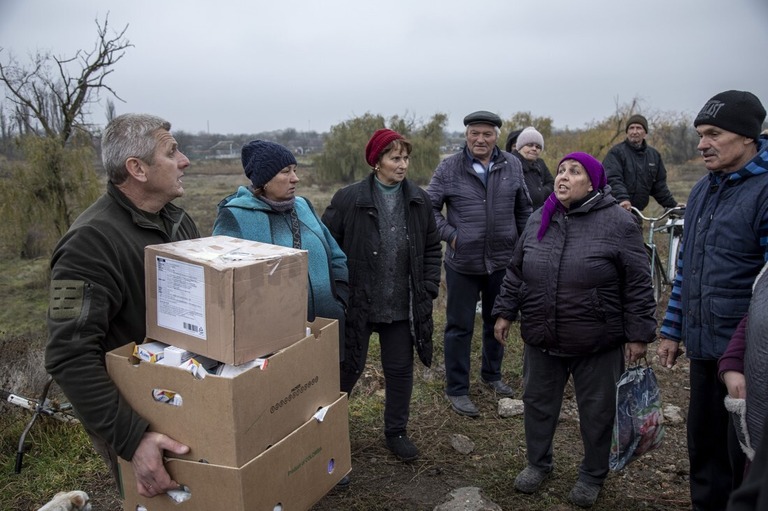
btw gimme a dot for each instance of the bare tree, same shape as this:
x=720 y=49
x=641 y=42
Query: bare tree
x=50 y=97
x=54 y=92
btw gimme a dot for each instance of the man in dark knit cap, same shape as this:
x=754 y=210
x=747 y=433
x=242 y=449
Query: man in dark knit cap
x=635 y=170
x=725 y=244
x=487 y=205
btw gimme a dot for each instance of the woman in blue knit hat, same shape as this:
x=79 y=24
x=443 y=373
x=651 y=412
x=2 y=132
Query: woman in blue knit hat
x=269 y=211
x=580 y=280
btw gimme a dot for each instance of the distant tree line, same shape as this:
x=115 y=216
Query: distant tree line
x=342 y=157
x=202 y=145
x=49 y=153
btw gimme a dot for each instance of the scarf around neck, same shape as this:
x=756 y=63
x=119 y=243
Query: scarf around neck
x=551 y=205
x=281 y=206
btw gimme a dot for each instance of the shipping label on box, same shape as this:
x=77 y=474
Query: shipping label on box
x=181 y=296
x=229 y=299
x=231 y=420
x=292 y=475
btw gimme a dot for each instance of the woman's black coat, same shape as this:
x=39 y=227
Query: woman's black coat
x=352 y=219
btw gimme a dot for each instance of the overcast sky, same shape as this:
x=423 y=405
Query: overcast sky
x=245 y=66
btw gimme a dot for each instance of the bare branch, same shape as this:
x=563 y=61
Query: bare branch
x=57 y=99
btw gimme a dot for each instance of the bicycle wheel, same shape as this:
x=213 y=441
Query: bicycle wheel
x=657 y=280
x=674 y=249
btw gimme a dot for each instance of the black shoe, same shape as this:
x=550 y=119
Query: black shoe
x=499 y=387
x=344 y=483
x=402 y=448
x=463 y=405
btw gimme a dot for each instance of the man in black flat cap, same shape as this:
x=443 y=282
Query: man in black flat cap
x=487 y=205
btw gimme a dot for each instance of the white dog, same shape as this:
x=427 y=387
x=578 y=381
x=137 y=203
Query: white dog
x=68 y=501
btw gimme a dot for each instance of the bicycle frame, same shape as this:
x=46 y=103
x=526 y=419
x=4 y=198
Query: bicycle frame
x=661 y=276
x=674 y=228
x=40 y=406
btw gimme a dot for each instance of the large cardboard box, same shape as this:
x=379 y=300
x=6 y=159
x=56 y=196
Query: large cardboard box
x=229 y=299
x=229 y=421
x=292 y=475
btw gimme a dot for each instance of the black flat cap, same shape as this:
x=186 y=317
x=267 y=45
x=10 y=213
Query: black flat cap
x=483 y=117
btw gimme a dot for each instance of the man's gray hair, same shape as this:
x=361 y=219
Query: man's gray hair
x=495 y=128
x=129 y=136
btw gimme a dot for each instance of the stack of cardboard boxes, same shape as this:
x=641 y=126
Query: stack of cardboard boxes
x=272 y=437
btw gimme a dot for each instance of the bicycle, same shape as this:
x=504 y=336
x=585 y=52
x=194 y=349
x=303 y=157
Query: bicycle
x=662 y=276
x=42 y=406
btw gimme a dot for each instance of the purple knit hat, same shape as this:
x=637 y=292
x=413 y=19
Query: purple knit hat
x=594 y=168
x=596 y=174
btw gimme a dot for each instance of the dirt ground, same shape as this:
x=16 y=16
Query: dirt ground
x=658 y=480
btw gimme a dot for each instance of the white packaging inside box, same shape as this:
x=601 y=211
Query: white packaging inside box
x=175 y=356
x=230 y=420
x=152 y=351
x=199 y=366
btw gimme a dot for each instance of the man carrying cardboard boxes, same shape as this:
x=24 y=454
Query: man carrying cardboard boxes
x=262 y=430
x=97 y=295
x=260 y=434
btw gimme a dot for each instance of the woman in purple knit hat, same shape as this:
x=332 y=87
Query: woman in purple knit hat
x=580 y=281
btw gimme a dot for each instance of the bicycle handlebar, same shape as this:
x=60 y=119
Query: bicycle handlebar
x=676 y=211
x=62 y=412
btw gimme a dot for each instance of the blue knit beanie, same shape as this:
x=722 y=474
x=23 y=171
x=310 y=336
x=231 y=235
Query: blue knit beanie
x=263 y=160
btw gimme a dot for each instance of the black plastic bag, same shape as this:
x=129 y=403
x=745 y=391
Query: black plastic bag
x=639 y=423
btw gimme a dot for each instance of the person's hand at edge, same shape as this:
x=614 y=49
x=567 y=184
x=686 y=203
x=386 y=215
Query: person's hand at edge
x=501 y=330
x=151 y=477
x=736 y=384
x=634 y=351
x=668 y=351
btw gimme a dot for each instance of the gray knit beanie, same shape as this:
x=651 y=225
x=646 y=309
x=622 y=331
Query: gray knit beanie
x=529 y=136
